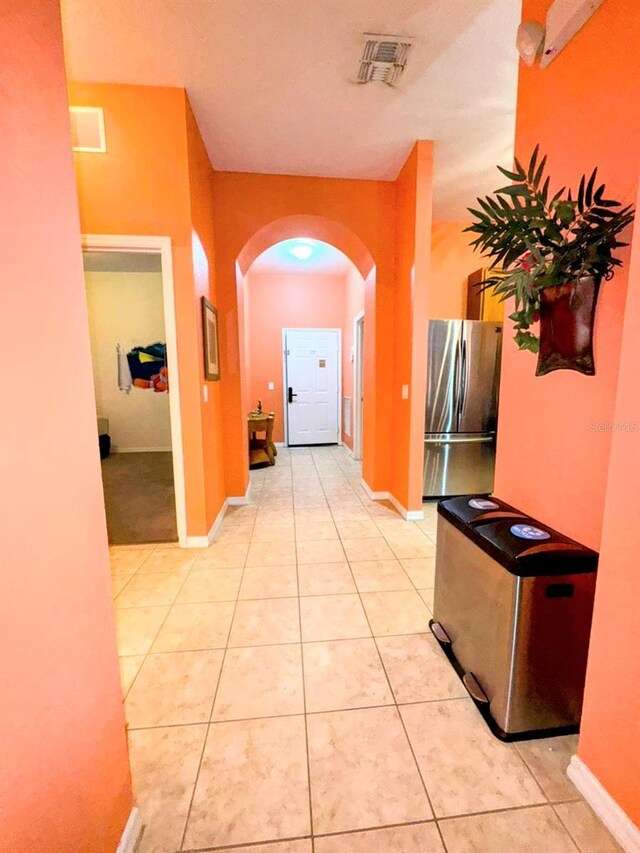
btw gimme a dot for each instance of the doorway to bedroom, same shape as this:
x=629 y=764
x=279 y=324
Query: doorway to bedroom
x=125 y=302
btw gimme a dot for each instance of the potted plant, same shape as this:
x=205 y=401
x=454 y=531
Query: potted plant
x=551 y=254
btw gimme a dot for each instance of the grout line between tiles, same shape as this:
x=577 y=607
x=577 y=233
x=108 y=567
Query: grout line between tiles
x=566 y=828
x=304 y=704
x=260 y=495
x=213 y=702
x=406 y=734
x=155 y=636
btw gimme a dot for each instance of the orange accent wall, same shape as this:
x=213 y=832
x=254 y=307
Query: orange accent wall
x=553 y=461
x=203 y=254
x=359 y=217
x=276 y=302
x=413 y=224
x=255 y=211
x=353 y=305
x=155 y=178
x=610 y=734
x=273 y=302
x=65 y=781
x=452 y=262
x=584 y=111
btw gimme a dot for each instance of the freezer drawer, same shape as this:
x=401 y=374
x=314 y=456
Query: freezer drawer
x=458 y=464
x=523 y=639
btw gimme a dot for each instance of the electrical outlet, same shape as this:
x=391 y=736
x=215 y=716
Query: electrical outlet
x=205 y=393
x=405 y=392
x=271 y=386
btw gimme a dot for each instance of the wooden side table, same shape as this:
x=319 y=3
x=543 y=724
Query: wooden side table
x=261 y=450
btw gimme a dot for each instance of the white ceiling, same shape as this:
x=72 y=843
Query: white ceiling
x=270 y=81
x=323 y=260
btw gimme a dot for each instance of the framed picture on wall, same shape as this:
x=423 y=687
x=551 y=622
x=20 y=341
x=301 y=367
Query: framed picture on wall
x=210 y=338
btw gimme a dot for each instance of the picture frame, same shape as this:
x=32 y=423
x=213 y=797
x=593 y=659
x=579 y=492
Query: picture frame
x=210 y=341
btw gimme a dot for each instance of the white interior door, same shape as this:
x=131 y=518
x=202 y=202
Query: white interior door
x=312 y=385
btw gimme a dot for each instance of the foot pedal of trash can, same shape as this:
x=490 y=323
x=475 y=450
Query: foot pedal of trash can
x=439 y=633
x=473 y=688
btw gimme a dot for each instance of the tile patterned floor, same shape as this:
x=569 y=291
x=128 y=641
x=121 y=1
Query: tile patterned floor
x=284 y=694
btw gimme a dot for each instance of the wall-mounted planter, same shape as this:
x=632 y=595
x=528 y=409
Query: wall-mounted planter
x=549 y=254
x=567 y=315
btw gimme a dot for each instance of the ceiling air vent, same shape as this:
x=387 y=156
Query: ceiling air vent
x=87 y=129
x=384 y=58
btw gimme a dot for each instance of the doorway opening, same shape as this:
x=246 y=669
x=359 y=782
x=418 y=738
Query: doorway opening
x=358 y=384
x=301 y=297
x=129 y=290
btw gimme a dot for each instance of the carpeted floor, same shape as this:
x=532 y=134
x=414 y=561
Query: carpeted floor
x=139 y=498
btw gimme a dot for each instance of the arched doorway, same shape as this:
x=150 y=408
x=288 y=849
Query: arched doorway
x=301 y=300
x=321 y=232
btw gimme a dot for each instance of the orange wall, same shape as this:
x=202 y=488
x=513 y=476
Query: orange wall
x=351 y=215
x=610 y=735
x=452 y=261
x=413 y=226
x=155 y=178
x=354 y=304
x=365 y=219
x=203 y=253
x=276 y=302
x=550 y=462
x=65 y=776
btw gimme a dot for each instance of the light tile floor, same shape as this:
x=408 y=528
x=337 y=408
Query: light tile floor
x=284 y=694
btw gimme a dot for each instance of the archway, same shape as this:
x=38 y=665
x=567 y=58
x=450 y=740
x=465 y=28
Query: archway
x=314 y=227
x=319 y=231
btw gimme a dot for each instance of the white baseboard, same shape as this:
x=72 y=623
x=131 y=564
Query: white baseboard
x=141 y=449
x=240 y=500
x=407 y=514
x=280 y=443
x=619 y=824
x=196 y=542
x=206 y=541
x=374 y=496
x=132 y=833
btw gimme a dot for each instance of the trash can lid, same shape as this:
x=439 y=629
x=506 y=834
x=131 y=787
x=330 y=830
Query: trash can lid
x=477 y=509
x=528 y=548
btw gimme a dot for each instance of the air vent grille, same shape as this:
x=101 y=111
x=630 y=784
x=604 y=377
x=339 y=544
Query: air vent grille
x=87 y=129
x=384 y=58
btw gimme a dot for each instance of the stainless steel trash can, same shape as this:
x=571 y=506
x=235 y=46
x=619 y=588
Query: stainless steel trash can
x=512 y=611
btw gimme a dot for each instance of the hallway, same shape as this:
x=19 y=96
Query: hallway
x=283 y=684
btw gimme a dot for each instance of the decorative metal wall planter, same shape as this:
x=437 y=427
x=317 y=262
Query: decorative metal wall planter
x=567 y=316
x=550 y=254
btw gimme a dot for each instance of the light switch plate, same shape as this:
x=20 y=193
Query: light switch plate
x=405 y=392
x=271 y=386
x=205 y=393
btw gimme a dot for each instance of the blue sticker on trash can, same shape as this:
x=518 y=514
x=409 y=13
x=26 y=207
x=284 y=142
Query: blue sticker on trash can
x=483 y=503
x=528 y=531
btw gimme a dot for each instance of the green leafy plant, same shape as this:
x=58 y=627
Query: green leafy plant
x=538 y=240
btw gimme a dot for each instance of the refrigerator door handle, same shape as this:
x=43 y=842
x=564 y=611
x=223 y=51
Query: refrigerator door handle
x=457 y=375
x=452 y=438
x=463 y=375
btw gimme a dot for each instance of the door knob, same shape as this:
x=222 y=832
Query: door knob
x=291 y=395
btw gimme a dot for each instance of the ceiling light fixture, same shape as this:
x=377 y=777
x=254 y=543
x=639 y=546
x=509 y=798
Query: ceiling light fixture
x=302 y=250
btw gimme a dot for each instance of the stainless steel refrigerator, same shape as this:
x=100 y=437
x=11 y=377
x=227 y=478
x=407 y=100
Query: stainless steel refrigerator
x=462 y=407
